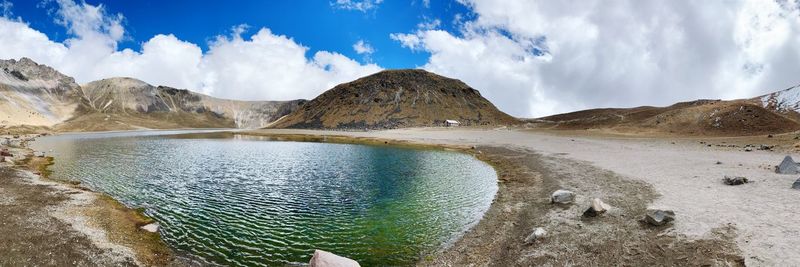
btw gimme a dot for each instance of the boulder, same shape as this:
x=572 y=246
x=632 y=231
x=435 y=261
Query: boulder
x=323 y=258
x=537 y=234
x=153 y=227
x=658 y=217
x=562 y=196
x=787 y=166
x=796 y=184
x=598 y=207
x=734 y=180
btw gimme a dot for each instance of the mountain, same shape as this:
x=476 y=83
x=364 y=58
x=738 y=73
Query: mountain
x=768 y=114
x=37 y=95
x=394 y=99
x=128 y=99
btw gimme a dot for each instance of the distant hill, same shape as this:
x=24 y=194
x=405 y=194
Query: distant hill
x=394 y=99
x=768 y=114
x=37 y=95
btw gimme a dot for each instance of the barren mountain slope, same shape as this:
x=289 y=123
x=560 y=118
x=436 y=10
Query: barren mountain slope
x=126 y=103
x=395 y=99
x=35 y=95
x=701 y=117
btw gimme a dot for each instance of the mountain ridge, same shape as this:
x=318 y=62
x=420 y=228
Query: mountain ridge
x=33 y=94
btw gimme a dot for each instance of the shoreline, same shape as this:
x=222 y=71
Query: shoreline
x=101 y=223
x=528 y=171
x=522 y=202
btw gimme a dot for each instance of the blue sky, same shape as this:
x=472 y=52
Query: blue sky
x=318 y=24
x=529 y=57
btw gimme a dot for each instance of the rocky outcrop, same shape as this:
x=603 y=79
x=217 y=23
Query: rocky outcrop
x=396 y=99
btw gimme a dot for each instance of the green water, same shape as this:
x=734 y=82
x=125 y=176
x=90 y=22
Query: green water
x=251 y=202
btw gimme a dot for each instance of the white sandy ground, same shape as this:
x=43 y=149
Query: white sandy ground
x=686 y=175
x=71 y=213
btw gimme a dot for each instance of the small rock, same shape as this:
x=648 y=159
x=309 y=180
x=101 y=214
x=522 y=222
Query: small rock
x=323 y=258
x=5 y=153
x=787 y=166
x=598 y=207
x=719 y=163
x=728 y=180
x=38 y=154
x=748 y=149
x=658 y=217
x=769 y=136
x=796 y=184
x=153 y=227
x=537 y=234
x=562 y=196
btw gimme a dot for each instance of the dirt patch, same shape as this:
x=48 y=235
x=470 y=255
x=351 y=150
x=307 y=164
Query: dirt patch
x=61 y=224
x=31 y=236
x=616 y=238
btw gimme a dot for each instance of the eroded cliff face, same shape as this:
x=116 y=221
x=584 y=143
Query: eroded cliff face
x=396 y=99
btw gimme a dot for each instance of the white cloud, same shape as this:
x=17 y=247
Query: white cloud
x=359 y=5
x=535 y=58
x=263 y=66
x=362 y=47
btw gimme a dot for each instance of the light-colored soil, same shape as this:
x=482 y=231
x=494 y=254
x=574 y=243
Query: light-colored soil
x=48 y=223
x=680 y=174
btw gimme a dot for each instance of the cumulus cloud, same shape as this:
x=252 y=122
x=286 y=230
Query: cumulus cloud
x=263 y=66
x=536 y=58
x=359 y=5
x=362 y=47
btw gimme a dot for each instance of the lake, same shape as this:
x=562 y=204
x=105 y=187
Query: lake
x=240 y=200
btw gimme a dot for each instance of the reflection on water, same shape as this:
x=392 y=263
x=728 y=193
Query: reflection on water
x=245 y=201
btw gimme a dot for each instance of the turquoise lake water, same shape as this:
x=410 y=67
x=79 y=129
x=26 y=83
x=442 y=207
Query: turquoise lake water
x=254 y=202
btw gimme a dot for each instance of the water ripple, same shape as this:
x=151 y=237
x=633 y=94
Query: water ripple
x=259 y=203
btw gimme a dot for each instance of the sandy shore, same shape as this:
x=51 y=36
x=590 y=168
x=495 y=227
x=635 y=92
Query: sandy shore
x=716 y=224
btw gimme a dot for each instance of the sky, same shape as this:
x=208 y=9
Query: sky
x=530 y=58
